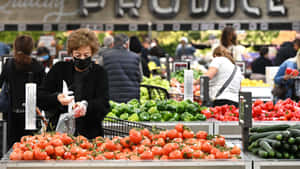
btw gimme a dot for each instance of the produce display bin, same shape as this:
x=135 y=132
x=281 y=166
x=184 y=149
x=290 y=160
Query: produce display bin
x=207 y=126
x=259 y=163
x=243 y=163
x=233 y=130
x=188 y=164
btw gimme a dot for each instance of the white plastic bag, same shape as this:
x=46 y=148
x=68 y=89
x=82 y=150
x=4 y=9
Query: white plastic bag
x=66 y=122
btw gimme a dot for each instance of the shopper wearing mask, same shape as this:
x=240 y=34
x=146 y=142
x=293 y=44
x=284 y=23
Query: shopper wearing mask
x=43 y=54
x=16 y=73
x=86 y=79
x=223 y=70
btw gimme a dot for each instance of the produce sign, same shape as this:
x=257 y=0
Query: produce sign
x=277 y=141
x=178 y=143
x=282 y=110
x=157 y=111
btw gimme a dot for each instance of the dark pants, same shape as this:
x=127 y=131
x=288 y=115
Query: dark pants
x=224 y=102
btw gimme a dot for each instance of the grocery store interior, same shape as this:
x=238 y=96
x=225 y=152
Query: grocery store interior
x=204 y=84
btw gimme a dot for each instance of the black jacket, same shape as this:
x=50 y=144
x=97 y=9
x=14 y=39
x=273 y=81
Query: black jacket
x=95 y=92
x=285 y=52
x=145 y=61
x=124 y=75
x=259 y=65
x=16 y=80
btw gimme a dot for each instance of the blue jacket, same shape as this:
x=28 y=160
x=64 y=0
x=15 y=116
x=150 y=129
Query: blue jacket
x=280 y=74
x=4 y=49
x=124 y=75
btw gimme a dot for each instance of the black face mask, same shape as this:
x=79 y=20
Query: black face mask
x=82 y=63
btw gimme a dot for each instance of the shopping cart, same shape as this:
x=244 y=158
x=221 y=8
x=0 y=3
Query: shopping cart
x=118 y=127
x=155 y=90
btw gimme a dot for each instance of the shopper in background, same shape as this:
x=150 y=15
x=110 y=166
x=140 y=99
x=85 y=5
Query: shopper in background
x=221 y=69
x=16 y=73
x=284 y=82
x=136 y=46
x=123 y=68
x=229 y=41
x=287 y=50
x=184 y=49
x=4 y=49
x=145 y=57
x=108 y=43
x=259 y=65
x=43 y=54
x=86 y=79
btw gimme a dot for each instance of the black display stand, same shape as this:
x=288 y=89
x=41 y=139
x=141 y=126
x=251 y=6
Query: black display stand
x=204 y=90
x=245 y=116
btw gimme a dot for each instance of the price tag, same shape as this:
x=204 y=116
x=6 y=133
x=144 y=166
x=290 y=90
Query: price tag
x=133 y=27
x=176 y=27
x=47 y=27
x=237 y=26
x=296 y=26
x=242 y=66
x=222 y=26
x=195 y=27
x=180 y=66
x=264 y=26
x=159 y=27
x=21 y=27
x=62 y=27
x=109 y=27
x=253 y=26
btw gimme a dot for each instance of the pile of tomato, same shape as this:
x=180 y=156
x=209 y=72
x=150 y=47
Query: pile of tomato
x=141 y=144
x=222 y=113
x=283 y=110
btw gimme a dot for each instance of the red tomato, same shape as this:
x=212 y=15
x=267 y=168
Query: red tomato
x=172 y=134
x=288 y=71
x=156 y=150
x=179 y=127
x=206 y=147
x=135 y=136
x=198 y=154
x=201 y=135
x=147 y=155
x=187 y=152
x=28 y=155
x=16 y=156
x=188 y=134
x=49 y=149
x=59 y=151
x=175 y=155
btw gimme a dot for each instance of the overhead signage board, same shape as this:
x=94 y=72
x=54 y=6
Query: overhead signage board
x=139 y=13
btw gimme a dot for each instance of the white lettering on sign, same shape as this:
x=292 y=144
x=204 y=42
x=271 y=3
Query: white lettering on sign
x=40 y=4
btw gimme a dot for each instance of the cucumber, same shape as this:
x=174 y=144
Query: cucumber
x=298 y=155
x=286 y=155
x=286 y=146
x=252 y=145
x=255 y=150
x=256 y=136
x=294 y=148
x=297 y=140
x=297 y=126
x=270 y=128
x=278 y=154
x=274 y=143
x=266 y=146
x=291 y=140
x=294 y=132
x=262 y=154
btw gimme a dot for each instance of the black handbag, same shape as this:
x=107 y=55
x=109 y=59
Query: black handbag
x=4 y=98
x=279 y=91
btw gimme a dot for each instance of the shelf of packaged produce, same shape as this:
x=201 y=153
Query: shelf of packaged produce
x=233 y=130
x=207 y=126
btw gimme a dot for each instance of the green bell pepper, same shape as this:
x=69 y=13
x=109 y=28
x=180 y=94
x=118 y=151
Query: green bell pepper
x=156 y=117
x=144 y=116
x=124 y=116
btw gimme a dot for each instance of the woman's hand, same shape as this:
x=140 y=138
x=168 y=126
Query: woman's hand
x=64 y=100
x=80 y=109
x=287 y=77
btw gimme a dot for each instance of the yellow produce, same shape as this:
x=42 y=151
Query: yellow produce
x=253 y=83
